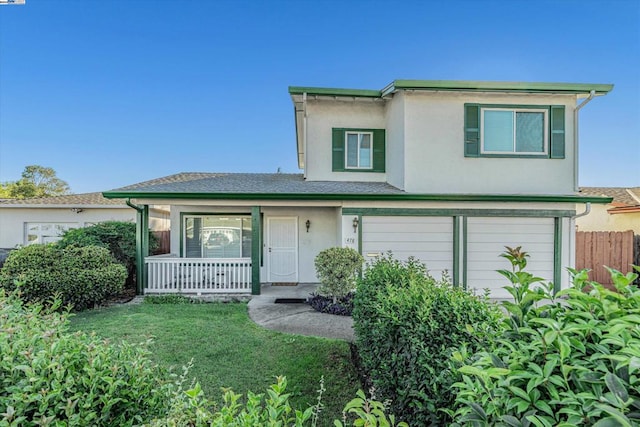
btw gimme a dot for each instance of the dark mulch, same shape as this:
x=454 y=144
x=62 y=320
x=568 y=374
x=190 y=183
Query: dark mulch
x=324 y=304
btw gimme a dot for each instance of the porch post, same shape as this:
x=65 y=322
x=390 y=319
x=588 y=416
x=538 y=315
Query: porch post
x=142 y=245
x=256 y=247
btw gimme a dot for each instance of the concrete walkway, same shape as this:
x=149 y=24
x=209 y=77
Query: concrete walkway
x=297 y=318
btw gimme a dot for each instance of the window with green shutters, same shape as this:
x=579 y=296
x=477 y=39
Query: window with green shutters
x=358 y=150
x=535 y=131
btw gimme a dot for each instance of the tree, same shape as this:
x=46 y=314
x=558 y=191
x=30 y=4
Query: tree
x=36 y=181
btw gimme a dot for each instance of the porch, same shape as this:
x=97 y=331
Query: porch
x=169 y=274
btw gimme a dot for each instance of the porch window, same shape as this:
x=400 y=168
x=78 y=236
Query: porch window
x=217 y=236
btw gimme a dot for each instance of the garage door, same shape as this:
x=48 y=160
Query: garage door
x=429 y=239
x=486 y=240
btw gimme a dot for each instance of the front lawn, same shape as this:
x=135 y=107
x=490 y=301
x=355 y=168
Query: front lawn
x=229 y=350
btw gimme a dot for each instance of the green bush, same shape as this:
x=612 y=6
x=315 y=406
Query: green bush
x=117 y=236
x=192 y=408
x=564 y=360
x=80 y=276
x=407 y=326
x=337 y=269
x=171 y=299
x=49 y=376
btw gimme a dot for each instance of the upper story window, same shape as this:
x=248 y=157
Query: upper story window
x=535 y=131
x=358 y=150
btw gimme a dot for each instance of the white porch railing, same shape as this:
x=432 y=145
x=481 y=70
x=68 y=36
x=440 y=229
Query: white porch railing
x=169 y=274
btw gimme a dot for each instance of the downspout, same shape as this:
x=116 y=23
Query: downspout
x=587 y=209
x=576 y=187
x=142 y=244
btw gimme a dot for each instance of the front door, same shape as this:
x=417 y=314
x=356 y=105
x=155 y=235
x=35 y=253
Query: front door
x=282 y=249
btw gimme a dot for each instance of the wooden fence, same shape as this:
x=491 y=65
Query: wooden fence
x=595 y=249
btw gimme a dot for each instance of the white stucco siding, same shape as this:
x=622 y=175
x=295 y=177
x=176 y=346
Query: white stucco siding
x=434 y=149
x=322 y=117
x=395 y=141
x=428 y=239
x=13 y=220
x=486 y=240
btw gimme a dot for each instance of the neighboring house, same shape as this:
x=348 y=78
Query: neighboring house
x=43 y=220
x=448 y=172
x=622 y=214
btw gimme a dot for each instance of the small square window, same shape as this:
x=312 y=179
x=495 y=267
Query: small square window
x=514 y=131
x=359 y=150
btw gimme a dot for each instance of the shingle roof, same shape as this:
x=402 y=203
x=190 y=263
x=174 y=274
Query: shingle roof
x=80 y=200
x=621 y=196
x=254 y=183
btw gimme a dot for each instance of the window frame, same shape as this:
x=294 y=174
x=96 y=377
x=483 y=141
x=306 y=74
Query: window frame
x=183 y=232
x=42 y=234
x=358 y=133
x=516 y=109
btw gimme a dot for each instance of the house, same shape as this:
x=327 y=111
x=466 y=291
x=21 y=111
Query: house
x=622 y=214
x=449 y=172
x=44 y=219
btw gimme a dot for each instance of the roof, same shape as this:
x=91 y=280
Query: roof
x=279 y=186
x=84 y=200
x=459 y=85
x=625 y=199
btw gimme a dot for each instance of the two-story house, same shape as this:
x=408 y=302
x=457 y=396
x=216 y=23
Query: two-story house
x=449 y=172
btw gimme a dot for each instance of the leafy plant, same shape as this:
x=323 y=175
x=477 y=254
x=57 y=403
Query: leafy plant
x=407 y=326
x=119 y=237
x=81 y=277
x=337 y=269
x=49 y=376
x=368 y=413
x=564 y=360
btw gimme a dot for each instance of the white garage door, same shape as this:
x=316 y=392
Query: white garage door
x=486 y=240
x=429 y=239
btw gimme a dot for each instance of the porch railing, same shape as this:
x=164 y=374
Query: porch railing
x=169 y=274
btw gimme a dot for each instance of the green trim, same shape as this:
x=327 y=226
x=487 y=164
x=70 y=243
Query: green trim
x=458 y=212
x=459 y=85
x=141 y=249
x=464 y=252
x=368 y=197
x=145 y=244
x=360 y=233
x=361 y=93
x=488 y=86
x=557 y=255
x=456 y=251
x=256 y=246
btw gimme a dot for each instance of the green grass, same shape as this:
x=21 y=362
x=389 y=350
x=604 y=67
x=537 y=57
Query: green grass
x=229 y=350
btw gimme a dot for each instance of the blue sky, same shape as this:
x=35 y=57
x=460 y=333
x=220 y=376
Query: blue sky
x=111 y=93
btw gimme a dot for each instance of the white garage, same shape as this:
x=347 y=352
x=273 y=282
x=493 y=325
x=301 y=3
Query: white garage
x=427 y=238
x=486 y=239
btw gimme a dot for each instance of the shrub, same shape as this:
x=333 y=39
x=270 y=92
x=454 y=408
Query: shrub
x=117 y=236
x=171 y=299
x=337 y=269
x=82 y=277
x=566 y=359
x=407 y=326
x=343 y=306
x=49 y=376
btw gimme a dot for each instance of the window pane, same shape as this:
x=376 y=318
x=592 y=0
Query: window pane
x=352 y=150
x=193 y=241
x=498 y=131
x=365 y=151
x=246 y=238
x=530 y=132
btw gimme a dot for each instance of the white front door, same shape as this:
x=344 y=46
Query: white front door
x=282 y=249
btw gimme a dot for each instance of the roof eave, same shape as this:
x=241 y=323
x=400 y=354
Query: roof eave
x=362 y=196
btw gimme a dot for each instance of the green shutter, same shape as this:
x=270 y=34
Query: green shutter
x=379 y=150
x=337 y=150
x=557 y=132
x=471 y=130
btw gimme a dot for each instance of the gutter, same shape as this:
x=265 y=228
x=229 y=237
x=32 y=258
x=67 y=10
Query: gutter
x=587 y=209
x=131 y=205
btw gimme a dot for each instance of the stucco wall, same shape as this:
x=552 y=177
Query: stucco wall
x=13 y=220
x=601 y=220
x=324 y=115
x=425 y=144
